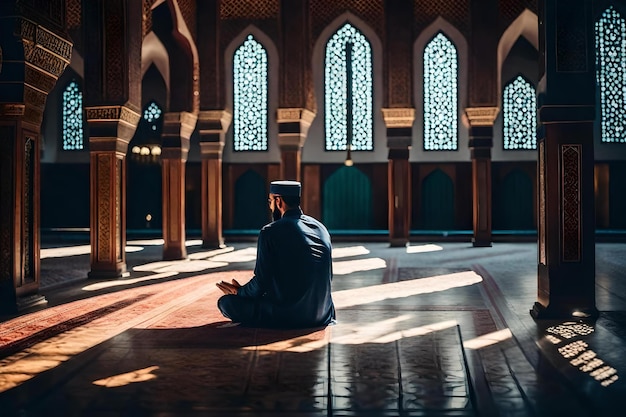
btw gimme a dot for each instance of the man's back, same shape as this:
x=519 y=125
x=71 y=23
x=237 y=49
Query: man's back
x=294 y=261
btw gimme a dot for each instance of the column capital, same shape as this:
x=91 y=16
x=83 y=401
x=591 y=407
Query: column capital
x=211 y=150
x=481 y=116
x=111 y=127
x=294 y=114
x=12 y=109
x=179 y=124
x=293 y=126
x=214 y=121
x=399 y=117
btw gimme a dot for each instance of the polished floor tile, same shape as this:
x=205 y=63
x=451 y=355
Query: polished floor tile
x=427 y=330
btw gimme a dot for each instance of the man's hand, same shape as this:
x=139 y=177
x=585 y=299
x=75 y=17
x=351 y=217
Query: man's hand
x=229 y=288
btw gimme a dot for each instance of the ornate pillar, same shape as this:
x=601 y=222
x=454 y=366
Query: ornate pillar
x=293 y=127
x=112 y=103
x=399 y=135
x=399 y=116
x=177 y=129
x=296 y=86
x=213 y=122
x=111 y=129
x=480 y=143
x=566 y=216
x=212 y=126
x=32 y=57
x=481 y=111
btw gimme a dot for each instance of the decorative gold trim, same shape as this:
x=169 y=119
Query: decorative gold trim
x=481 y=116
x=217 y=121
x=295 y=114
x=113 y=113
x=399 y=117
x=12 y=109
x=43 y=38
x=185 y=120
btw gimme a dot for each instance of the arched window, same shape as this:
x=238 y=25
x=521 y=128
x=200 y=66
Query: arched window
x=348 y=91
x=611 y=76
x=72 y=118
x=440 y=95
x=152 y=115
x=250 y=96
x=519 y=113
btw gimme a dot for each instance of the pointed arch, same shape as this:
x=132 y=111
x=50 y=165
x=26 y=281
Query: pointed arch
x=250 y=211
x=348 y=85
x=153 y=52
x=525 y=25
x=72 y=117
x=250 y=107
x=441 y=93
x=610 y=35
x=272 y=153
x=314 y=148
x=169 y=25
x=437 y=208
x=347 y=200
x=519 y=115
x=513 y=206
x=456 y=38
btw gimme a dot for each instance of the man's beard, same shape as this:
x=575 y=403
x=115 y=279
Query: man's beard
x=276 y=214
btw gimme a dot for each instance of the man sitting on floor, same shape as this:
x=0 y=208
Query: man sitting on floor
x=293 y=272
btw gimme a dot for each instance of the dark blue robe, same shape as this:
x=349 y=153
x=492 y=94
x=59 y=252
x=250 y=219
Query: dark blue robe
x=291 y=286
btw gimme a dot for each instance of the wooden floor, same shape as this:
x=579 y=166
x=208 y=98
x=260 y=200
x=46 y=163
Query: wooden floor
x=434 y=329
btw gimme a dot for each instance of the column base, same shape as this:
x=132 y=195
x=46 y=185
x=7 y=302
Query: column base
x=541 y=312
x=212 y=244
x=398 y=243
x=29 y=301
x=174 y=254
x=479 y=243
x=108 y=274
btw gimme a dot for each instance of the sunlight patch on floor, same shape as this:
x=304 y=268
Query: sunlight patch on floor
x=121 y=282
x=348 y=267
x=349 y=251
x=375 y=293
x=488 y=339
x=140 y=375
x=423 y=248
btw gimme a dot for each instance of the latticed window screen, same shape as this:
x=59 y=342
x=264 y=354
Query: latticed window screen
x=152 y=114
x=73 y=138
x=611 y=74
x=519 y=113
x=440 y=95
x=250 y=96
x=348 y=91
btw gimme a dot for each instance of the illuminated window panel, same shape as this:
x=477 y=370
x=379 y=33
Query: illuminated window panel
x=519 y=114
x=152 y=114
x=250 y=96
x=72 y=118
x=611 y=74
x=440 y=95
x=348 y=91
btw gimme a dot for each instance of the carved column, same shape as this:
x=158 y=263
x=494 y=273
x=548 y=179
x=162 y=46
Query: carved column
x=296 y=96
x=212 y=126
x=177 y=129
x=399 y=116
x=32 y=57
x=399 y=135
x=480 y=143
x=293 y=127
x=112 y=101
x=566 y=246
x=111 y=129
x=481 y=111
